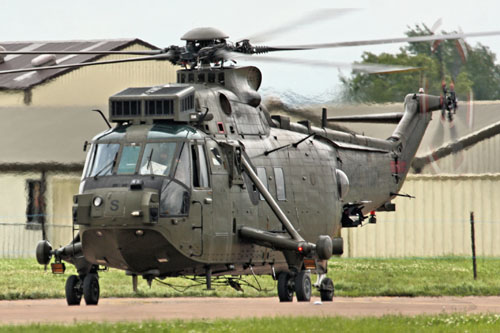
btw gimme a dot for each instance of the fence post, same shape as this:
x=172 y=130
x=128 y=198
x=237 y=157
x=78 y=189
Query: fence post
x=473 y=239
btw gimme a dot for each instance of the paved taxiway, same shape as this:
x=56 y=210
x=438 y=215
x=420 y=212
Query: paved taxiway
x=138 y=309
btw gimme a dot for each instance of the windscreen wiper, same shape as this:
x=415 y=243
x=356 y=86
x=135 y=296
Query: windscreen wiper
x=111 y=164
x=150 y=165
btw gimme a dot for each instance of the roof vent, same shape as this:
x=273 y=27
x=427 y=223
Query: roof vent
x=44 y=60
x=2 y=56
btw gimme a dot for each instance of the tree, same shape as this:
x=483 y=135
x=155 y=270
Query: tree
x=438 y=60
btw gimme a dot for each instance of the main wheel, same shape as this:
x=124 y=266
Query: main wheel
x=303 y=286
x=326 y=290
x=91 y=289
x=73 y=291
x=285 y=287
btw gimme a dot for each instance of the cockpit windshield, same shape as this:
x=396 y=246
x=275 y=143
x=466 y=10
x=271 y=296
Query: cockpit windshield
x=157 y=158
x=128 y=160
x=104 y=159
x=151 y=158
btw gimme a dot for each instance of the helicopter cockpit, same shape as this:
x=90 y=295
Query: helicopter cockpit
x=157 y=157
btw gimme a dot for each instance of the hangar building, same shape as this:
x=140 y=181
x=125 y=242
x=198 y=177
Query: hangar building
x=47 y=118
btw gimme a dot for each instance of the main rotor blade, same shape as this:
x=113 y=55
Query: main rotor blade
x=308 y=18
x=426 y=38
x=381 y=118
x=164 y=56
x=152 y=52
x=363 y=68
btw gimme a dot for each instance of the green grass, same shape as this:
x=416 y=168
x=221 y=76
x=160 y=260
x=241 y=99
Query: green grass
x=25 y=279
x=440 y=323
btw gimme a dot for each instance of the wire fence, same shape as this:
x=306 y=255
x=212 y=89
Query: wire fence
x=18 y=240
x=387 y=239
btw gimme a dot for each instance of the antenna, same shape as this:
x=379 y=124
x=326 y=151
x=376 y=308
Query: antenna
x=103 y=117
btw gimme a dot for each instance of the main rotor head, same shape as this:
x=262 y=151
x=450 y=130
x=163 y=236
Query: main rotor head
x=204 y=34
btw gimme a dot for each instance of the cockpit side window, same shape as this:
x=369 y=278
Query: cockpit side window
x=103 y=159
x=175 y=193
x=200 y=168
x=182 y=172
x=128 y=160
x=158 y=158
x=88 y=159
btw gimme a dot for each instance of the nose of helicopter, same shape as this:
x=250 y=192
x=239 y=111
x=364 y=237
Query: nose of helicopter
x=114 y=220
x=136 y=250
x=112 y=206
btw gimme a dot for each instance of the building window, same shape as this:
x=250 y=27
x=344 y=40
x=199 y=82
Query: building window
x=280 y=184
x=35 y=211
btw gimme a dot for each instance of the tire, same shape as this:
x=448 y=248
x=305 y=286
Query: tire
x=43 y=255
x=285 y=287
x=73 y=291
x=91 y=289
x=326 y=290
x=303 y=287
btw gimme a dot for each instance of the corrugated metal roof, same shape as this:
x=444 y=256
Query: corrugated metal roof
x=30 y=79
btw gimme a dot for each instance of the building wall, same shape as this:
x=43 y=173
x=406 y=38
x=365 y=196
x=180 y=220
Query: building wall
x=18 y=237
x=436 y=222
x=89 y=88
x=11 y=98
x=481 y=158
x=61 y=187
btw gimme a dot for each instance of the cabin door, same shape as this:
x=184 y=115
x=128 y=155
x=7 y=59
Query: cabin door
x=201 y=198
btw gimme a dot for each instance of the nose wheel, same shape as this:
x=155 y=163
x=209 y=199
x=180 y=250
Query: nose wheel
x=73 y=290
x=285 y=287
x=303 y=286
x=300 y=284
x=91 y=289
x=326 y=290
x=86 y=286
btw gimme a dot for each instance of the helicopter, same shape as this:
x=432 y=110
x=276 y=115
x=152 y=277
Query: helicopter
x=196 y=178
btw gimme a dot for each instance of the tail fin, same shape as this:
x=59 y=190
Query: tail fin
x=411 y=127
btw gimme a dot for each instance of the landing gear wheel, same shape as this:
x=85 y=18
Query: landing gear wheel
x=91 y=289
x=326 y=290
x=73 y=291
x=303 y=286
x=285 y=287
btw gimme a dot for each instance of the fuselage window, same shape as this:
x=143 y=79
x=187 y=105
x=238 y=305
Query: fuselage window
x=128 y=160
x=157 y=159
x=200 y=169
x=280 y=184
x=216 y=158
x=261 y=172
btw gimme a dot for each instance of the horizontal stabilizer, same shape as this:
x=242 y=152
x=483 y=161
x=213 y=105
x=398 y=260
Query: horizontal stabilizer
x=382 y=118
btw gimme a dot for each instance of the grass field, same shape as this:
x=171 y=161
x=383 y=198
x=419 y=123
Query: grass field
x=440 y=323
x=25 y=279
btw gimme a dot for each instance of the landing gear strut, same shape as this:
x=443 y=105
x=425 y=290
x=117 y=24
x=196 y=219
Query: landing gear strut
x=86 y=286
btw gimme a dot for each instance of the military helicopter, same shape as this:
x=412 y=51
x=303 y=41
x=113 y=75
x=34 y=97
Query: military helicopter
x=197 y=179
